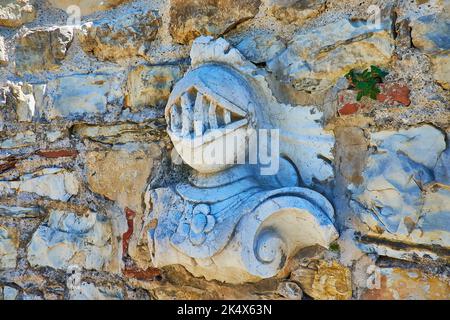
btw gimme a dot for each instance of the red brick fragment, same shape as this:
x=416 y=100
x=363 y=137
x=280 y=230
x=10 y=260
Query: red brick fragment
x=394 y=92
x=57 y=153
x=349 y=108
x=140 y=274
x=129 y=215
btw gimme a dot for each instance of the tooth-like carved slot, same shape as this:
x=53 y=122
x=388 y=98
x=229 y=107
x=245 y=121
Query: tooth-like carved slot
x=212 y=116
x=196 y=112
x=175 y=118
x=186 y=114
x=226 y=116
x=198 y=115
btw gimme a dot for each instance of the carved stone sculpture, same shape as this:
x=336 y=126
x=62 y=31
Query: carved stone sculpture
x=230 y=222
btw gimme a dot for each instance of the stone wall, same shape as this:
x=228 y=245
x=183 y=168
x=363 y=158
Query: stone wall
x=83 y=87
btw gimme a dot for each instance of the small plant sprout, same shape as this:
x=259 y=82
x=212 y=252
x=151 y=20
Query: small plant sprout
x=366 y=82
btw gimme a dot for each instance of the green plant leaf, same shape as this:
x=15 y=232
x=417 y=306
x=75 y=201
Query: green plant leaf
x=359 y=96
x=366 y=82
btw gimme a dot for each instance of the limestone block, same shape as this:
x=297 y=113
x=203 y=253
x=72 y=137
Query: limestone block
x=87 y=7
x=19 y=140
x=441 y=69
x=117 y=134
x=19 y=212
x=430 y=34
x=89 y=291
x=42 y=49
x=82 y=96
x=190 y=19
x=150 y=86
x=407 y=284
x=69 y=238
x=325 y=280
x=400 y=199
x=261 y=46
x=295 y=11
x=54 y=183
x=316 y=59
x=3 y=53
x=14 y=13
x=9 y=243
x=23 y=101
x=290 y=290
x=10 y=293
x=120 y=38
x=121 y=174
x=442 y=169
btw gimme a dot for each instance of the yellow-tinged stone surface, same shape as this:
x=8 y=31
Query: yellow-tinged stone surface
x=14 y=13
x=86 y=6
x=121 y=174
x=325 y=280
x=408 y=284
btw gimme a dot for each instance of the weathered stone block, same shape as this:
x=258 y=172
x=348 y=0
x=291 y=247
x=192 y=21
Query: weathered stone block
x=261 y=46
x=42 y=49
x=87 y=7
x=14 y=13
x=295 y=11
x=23 y=101
x=325 y=280
x=150 y=86
x=3 y=53
x=190 y=19
x=400 y=199
x=120 y=38
x=316 y=59
x=121 y=174
x=54 y=183
x=9 y=242
x=407 y=284
x=81 y=96
x=68 y=238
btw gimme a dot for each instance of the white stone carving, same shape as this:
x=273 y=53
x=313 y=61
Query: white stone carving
x=229 y=223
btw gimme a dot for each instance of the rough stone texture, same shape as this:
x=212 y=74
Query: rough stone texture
x=92 y=100
x=430 y=34
x=324 y=280
x=3 y=54
x=14 y=13
x=87 y=7
x=68 y=238
x=295 y=11
x=122 y=174
x=78 y=96
x=43 y=49
x=400 y=198
x=23 y=101
x=54 y=183
x=409 y=284
x=150 y=86
x=122 y=38
x=316 y=59
x=261 y=46
x=8 y=247
x=88 y=291
x=190 y=19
